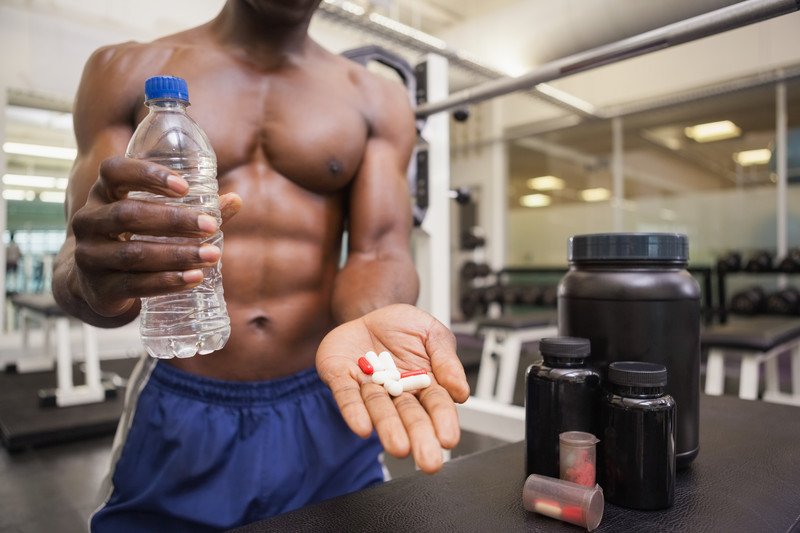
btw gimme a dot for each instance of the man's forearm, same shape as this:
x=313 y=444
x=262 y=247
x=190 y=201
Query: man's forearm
x=364 y=285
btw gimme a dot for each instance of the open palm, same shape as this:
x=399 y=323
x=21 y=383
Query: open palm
x=422 y=422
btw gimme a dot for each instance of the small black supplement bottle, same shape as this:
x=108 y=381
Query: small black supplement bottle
x=561 y=394
x=636 y=459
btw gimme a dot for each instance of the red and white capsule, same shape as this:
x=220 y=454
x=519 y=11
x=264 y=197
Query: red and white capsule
x=415 y=382
x=365 y=367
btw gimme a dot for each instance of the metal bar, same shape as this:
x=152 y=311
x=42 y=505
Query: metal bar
x=781 y=158
x=721 y=20
x=617 y=173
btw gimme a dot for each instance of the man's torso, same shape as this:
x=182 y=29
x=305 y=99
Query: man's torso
x=289 y=140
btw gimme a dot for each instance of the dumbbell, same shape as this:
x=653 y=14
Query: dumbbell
x=550 y=296
x=784 y=302
x=469 y=241
x=750 y=301
x=761 y=261
x=730 y=262
x=471 y=270
x=511 y=295
x=492 y=294
x=790 y=263
x=471 y=303
x=531 y=296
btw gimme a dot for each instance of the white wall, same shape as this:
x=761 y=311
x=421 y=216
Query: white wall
x=51 y=41
x=46 y=43
x=526 y=33
x=759 y=47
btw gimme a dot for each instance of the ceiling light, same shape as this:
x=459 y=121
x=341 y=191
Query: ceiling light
x=565 y=97
x=355 y=9
x=535 y=200
x=56 y=197
x=38 y=182
x=408 y=31
x=713 y=131
x=753 y=157
x=598 y=194
x=546 y=183
x=40 y=150
x=667 y=214
x=15 y=194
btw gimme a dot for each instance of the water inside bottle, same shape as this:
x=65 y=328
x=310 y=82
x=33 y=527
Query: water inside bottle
x=185 y=323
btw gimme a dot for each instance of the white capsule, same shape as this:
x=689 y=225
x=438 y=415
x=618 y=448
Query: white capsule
x=412 y=383
x=393 y=387
x=376 y=363
x=380 y=377
x=547 y=508
x=388 y=362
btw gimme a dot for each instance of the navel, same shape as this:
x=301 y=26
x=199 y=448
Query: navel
x=259 y=323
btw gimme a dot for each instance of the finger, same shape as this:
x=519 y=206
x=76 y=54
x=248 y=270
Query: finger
x=347 y=393
x=120 y=175
x=425 y=446
x=447 y=368
x=386 y=420
x=442 y=411
x=123 y=285
x=143 y=256
x=229 y=205
x=143 y=218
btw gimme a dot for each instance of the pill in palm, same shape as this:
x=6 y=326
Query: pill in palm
x=416 y=382
x=388 y=361
x=380 y=377
x=373 y=359
x=364 y=365
x=393 y=387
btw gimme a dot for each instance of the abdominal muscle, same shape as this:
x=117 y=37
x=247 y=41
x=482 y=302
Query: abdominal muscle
x=278 y=296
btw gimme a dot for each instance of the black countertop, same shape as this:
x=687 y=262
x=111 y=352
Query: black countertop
x=746 y=478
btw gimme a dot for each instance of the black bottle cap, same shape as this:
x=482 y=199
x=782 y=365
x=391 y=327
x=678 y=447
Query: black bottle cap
x=648 y=247
x=637 y=374
x=566 y=347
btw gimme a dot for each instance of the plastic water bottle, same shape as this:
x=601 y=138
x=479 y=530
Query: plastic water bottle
x=191 y=321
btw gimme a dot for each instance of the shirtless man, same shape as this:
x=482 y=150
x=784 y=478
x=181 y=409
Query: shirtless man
x=313 y=143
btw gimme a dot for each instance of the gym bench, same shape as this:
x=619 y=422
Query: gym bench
x=502 y=344
x=755 y=341
x=43 y=308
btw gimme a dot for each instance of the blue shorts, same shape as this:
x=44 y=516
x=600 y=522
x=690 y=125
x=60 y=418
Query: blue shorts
x=198 y=454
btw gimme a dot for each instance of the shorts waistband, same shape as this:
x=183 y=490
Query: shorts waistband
x=236 y=393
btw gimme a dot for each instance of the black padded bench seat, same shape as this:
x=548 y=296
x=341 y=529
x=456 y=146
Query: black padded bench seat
x=44 y=304
x=758 y=333
x=527 y=320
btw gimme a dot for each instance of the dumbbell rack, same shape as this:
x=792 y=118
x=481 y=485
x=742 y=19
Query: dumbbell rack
x=722 y=274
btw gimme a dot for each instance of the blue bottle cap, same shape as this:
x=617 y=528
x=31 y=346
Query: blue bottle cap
x=163 y=87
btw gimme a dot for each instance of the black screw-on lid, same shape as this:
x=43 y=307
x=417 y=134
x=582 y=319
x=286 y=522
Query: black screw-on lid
x=568 y=347
x=653 y=247
x=637 y=374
